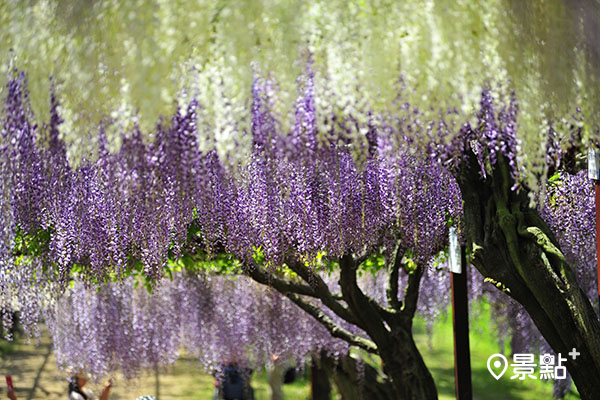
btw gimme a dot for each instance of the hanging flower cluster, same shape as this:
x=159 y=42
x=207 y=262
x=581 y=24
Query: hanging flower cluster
x=298 y=194
x=216 y=319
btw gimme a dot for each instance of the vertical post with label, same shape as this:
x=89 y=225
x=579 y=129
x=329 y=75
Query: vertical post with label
x=460 y=319
x=594 y=175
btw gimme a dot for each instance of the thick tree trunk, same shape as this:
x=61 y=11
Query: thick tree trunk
x=357 y=382
x=403 y=363
x=510 y=243
x=319 y=382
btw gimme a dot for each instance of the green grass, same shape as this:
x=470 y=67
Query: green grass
x=6 y=347
x=299 y=389
x=440 y=360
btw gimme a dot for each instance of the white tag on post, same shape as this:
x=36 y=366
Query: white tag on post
x=593 y=164
x=454 y=250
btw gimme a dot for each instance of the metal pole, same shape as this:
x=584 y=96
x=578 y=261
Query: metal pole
x=460 y=320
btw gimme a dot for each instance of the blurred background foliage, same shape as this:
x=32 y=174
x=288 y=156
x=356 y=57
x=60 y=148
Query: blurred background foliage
x=132 y=61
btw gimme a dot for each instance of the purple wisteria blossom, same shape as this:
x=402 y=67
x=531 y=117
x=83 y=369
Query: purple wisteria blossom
x=299 y=195
x=216 y=319
x=136 y=205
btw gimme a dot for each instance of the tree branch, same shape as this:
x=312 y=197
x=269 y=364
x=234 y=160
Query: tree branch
x=335 y=330
x=281 y=285
x=366 y=310
x=322 y=291
x=362 y=258
x=411 y=294
x=393 y=275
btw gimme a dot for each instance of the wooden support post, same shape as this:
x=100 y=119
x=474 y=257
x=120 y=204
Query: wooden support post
x=460 y=319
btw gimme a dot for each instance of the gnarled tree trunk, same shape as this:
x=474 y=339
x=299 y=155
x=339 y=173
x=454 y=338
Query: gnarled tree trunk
x=319 y=382
x=510 y=243
x=357 y=382
x=391 y=330
x=403 y=362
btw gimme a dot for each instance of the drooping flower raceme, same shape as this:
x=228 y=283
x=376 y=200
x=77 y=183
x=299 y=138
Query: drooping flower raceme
x=131 y=210
x=216 y=319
